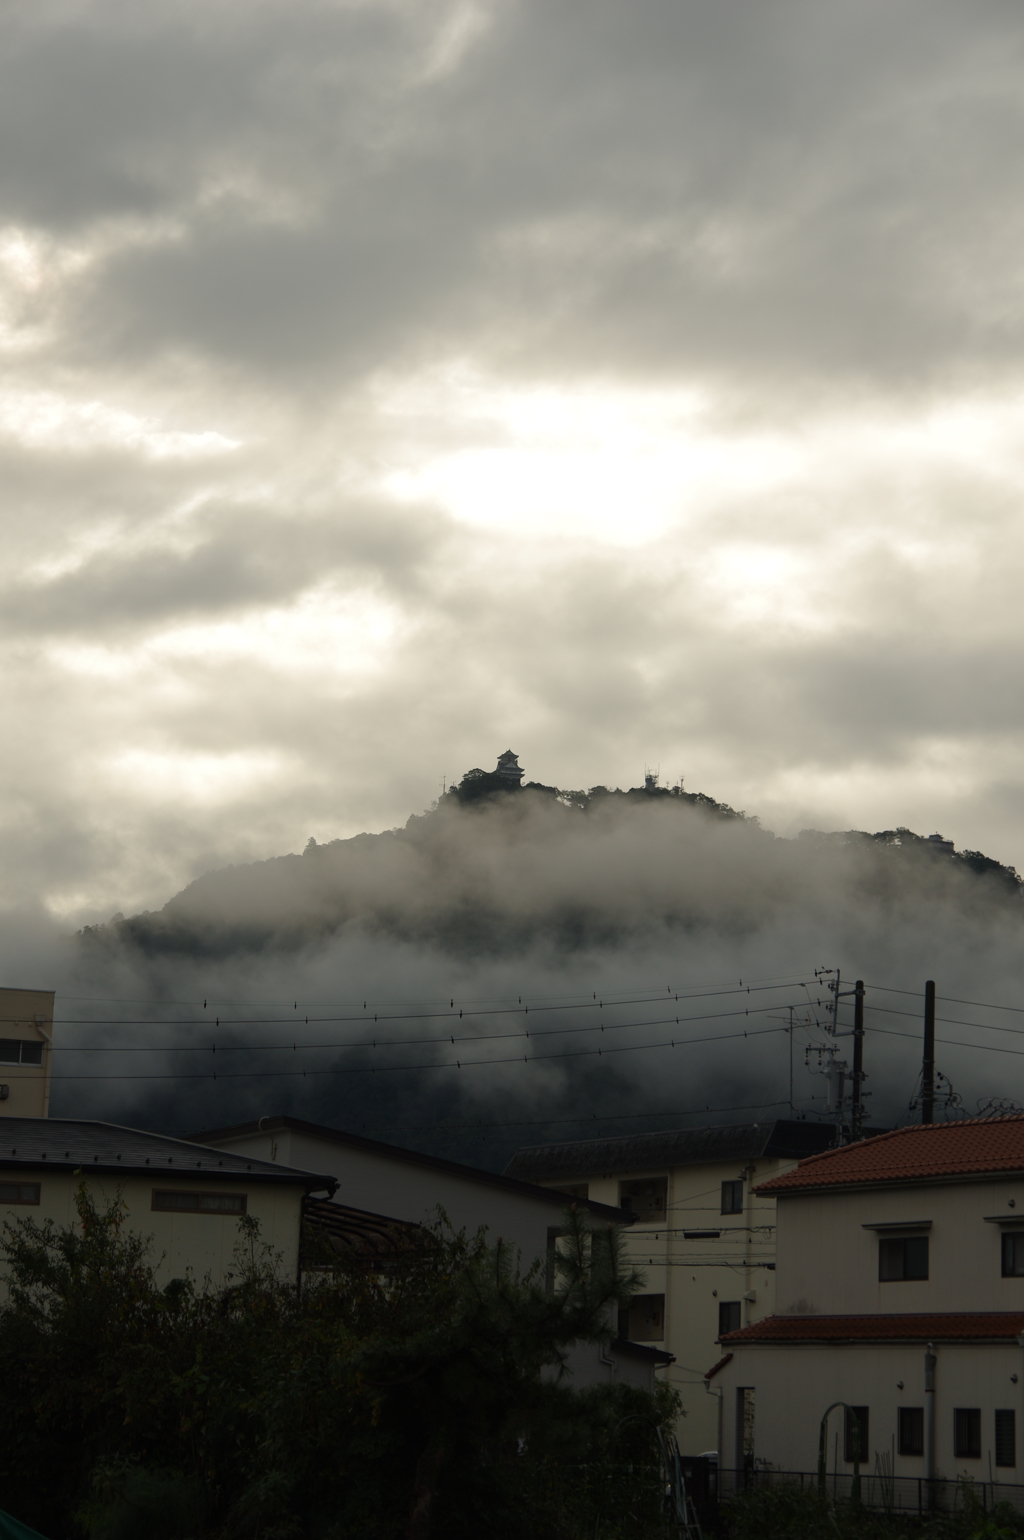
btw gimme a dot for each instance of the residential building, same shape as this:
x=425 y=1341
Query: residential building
x=899 y=1292
x=26 y=1029
x=703 y=1236
x=189 y=1199
x=412 y=1186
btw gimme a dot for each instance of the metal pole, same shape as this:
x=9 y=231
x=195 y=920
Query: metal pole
x=929 y=1424
x=791 y=1107
x=856 y=1105
x=928 y=1066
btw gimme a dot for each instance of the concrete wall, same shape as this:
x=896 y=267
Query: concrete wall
x=26 y=1014
x=828 y=1263
x=203 y=1243
x=403 y=1190
x=696 y=1276
x=793 y=1386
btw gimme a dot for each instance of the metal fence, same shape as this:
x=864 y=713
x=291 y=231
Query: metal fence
x=883 y=1491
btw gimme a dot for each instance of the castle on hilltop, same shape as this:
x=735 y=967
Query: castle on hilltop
x=509 y=771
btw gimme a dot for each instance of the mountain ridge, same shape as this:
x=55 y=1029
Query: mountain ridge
x=493 y=869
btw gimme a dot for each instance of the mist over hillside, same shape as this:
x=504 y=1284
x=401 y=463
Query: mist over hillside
x=494 y=873
x=437 y=985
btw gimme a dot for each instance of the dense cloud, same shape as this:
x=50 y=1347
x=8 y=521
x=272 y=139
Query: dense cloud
x=388 y=379
x=540 y=965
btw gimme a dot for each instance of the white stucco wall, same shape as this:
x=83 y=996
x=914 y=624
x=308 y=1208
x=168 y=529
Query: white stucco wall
x=26 y=1014
x=401 y=1189
x=793 y=1385
x=696 y=1276
x=828 y=1263
x=202 y=1243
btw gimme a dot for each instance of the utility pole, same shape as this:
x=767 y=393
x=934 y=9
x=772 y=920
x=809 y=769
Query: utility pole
x=791 y=1107
x=928 y=1066
x=856 y=1104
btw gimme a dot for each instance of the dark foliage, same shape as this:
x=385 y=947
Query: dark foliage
x=786 y=1511
x=421 y=1397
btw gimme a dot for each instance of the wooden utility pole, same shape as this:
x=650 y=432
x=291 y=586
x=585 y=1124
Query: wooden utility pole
x=856 y=1103
x=928 y=1066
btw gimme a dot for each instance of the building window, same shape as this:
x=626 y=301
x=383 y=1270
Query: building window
x=644 y=1200
x=19 y=1192
x=911 y=1430
x=1006 y=1437
x=1013 y=1254
x=967 y=1432
x=903 y=1257
x=856 y=1423
x=732 y=1197
x=728 y=1316
x=200 y=1202
x=644 y=1321
x=14 y=1051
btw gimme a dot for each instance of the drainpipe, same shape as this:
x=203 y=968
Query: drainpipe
x=748 y=1206
x=720 y=1396
x=929 y=1420
x=1020 y=1344
x=47 y=1064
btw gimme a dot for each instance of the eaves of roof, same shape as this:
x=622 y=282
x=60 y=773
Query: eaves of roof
x=971 y=1150
x=75 y=1144
x=397 y=1152
x=933 y=1326
x=626 y=1349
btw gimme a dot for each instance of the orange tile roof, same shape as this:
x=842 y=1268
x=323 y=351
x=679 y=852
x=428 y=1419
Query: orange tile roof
x=981 y=1325
x=915 y=1154
x=727 y=1359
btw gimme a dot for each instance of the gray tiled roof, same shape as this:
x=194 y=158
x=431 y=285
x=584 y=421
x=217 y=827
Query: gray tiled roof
x=73 y=1144
x=784 y=1138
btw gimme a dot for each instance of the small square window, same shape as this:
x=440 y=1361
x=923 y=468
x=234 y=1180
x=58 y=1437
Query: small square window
x=911 y=1430
x=967 y=1432
x=902 y=1257
x=732 y=1197
x=200 y=1202
x=728 y=1316
x=1006 y=1437
x=856 y=1423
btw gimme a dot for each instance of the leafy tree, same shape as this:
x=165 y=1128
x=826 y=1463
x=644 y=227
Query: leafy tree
x=425 y=1393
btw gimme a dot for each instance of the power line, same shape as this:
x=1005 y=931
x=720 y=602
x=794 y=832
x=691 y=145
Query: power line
x=405 y=1042
x=712 y=986
x=385 y=1069
x=918 y=994
x=576 y=1003
x=596 y=1117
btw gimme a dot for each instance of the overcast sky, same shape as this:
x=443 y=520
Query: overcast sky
x=387 y=384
